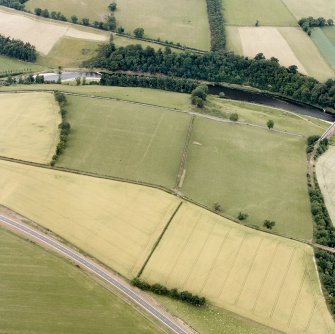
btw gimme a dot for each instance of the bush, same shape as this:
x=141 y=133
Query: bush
x=233 y=117
x=242 y=216
x=269 y=224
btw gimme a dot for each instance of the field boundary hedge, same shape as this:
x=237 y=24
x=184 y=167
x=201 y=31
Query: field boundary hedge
x=216 y=25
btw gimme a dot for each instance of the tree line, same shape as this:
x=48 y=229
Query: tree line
x=306 y=23
x=257 y=72
x=159 y=289
x=16 y=4
x=17 y=49
x=324 y=232
x=216 y=25
x=163 y=83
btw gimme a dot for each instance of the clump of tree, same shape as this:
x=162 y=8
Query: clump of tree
x=217 y=207
x=233 y=117
x=17 y=49
x=306 y=23
x=199 y=95
x=139 y=32
x=216 y=25
x=53 y=15
x=159 y=289
x=227 y=67
x=16 y=4
x=163 y=83
x=270 y=124
x=64 y=127
x=112 y=6
x=269 y=224
x=322 y=147
x=242 y=216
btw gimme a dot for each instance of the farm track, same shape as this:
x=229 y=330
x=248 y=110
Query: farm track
x=89 y=265
x=191 y=113
x=162 y=188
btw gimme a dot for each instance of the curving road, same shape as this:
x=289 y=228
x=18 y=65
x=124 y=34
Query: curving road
x=94 y=268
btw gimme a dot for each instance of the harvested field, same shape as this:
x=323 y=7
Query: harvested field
x=325 y=45
x=263 y=277
x=29 y=126
x=43 y=34
x=123 y=139
x=256 y=171
x=42 y=293
x=115 y=222
x=169 y=20
x=307 y=53
x=271 y=43
x=325 y=171
x=315 y=8
x=267 y=12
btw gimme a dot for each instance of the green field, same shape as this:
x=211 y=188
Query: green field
x=139 y=142
x=325 y=44
x=267 y=12
x=42 y=293
x=13 y=66
x=135 y=94
x=252 y=170
x=268 y=279
x=29 y=126
x=167 y=20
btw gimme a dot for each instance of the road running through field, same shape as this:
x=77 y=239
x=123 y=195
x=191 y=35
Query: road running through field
x=94 y=268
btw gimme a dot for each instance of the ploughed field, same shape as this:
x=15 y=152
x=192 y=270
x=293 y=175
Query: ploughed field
x=42 y=293
x=245 y=167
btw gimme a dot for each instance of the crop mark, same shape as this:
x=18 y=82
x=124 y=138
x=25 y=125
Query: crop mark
x=233 y=265
x=282 y=282
x=248 y=273
x=215 y=260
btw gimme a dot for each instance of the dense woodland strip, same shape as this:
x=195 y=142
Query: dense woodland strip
x=17 y=49
x=164 y=83
x=16 y=4
x=324 y=232
x=216 y=25
x=227 y=67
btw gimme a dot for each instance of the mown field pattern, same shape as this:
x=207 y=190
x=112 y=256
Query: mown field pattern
x=41 y=293
x=139 y=142
x=234 y=165
x=263 y=277
x=315 y=8
x=267 y=12
x=29 y=126
x=167 y=20
x=325 y=45
x=115 y=222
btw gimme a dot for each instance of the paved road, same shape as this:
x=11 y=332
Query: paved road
x=92 y=267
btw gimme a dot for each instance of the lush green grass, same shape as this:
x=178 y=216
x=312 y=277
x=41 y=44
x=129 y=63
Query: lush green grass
x=325 y=44
x=13 y=66
x=126 y=140
x=136 y=94
x=257 y=114
x=213 y=319
x=168 y=20
x=247 y=12
x=251 y=170
x=42 y=293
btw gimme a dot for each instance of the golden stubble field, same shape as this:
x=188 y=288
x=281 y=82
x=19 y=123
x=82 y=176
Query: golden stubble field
x=29 y=126
x=115 y=222
x=42 y=33
x=269 y=279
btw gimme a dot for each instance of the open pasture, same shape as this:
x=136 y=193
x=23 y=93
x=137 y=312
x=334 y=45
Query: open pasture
x=267 y=12
x=324 y=39
x=271 y=43
x=325 y=171
x=41 y=33
x=123 y=139
x=13 y=66
x=284 y=121
x=115 y=222
x=315 y=8
x=268 y=279
x=177 y=21
x=255 y=171
x=29 y=129
x=42 y=293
